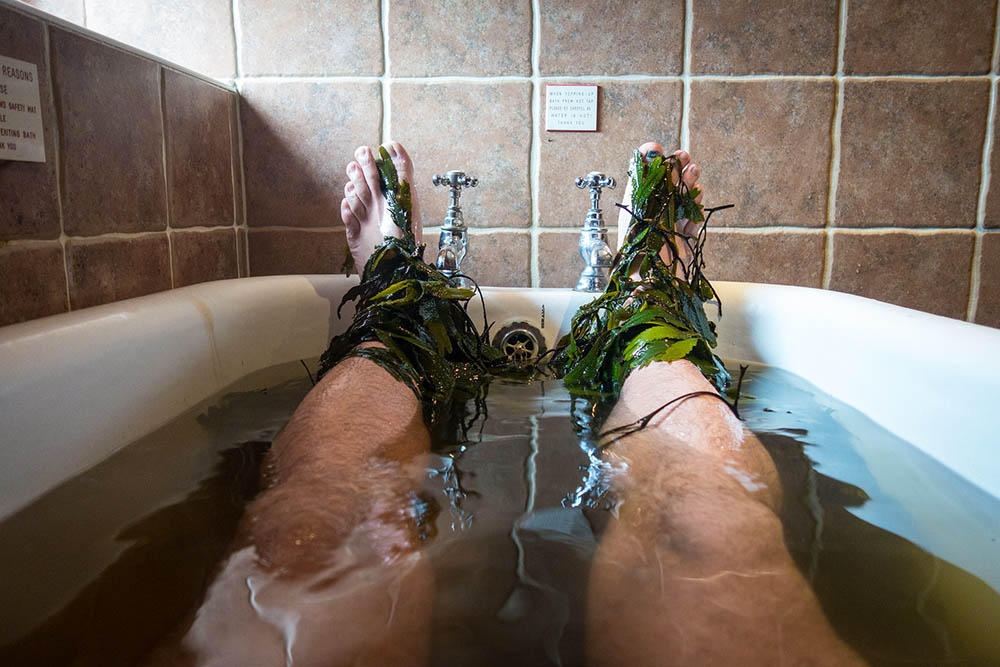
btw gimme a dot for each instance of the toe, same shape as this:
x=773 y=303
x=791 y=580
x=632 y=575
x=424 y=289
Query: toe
x=650 y=150
x=354 y=203
x=691 y=174
x=359 y=184
x=366 y=160
x=351 y=221
x=401 y=159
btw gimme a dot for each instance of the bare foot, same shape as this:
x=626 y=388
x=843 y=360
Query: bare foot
x=690 y=173
x=363 y=208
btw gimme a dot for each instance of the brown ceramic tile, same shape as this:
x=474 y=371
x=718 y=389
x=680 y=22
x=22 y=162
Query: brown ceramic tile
x=197 y=34
x=34 y=281
x=482 y=129
x=203 y=256
x=241 y=253
x=199 y=151
x=764 y=146
x=765 y=37
x=297 y=140
x=111 y=136
x=310 y=37
x=988 y=307
x=925 y=271
x=291 y=251
x=629 y=114
x=919 y=37
x=776 y=257
x=559 y=262
x=992 y=219
x=602 y=37
x=69 y=10
x=911 y=153
x=29 y=207
x=111 y=269
x=480 y=38
x=499 y=259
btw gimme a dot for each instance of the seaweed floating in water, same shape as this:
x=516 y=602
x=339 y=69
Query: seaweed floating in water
x=657 y=316
x=430 y=343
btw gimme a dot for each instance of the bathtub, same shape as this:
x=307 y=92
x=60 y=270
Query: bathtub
x=77 y=387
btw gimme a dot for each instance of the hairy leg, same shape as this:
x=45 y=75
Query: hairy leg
x=695 y=569
x=326 y=567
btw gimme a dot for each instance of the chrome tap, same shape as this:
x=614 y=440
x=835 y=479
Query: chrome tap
x=594 y=248
x=454 y=241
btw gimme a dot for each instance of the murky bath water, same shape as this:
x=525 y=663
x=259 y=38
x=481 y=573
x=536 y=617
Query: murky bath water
x=903 y=555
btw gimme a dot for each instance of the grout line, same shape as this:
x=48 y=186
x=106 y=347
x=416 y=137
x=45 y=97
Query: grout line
x=685 y=138
x=535 y=154
x=313 y=78
x=975 y=275
x=56 y=153
x=495 y=78
x=385 y=78
x=243 y=182
x=835 y=129
x=167 y=180
x=984 y=185
x=120 y=235
x=239 y=169
x=278 y=228
x=237 y=37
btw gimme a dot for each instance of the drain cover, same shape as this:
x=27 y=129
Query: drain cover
x=520 y=342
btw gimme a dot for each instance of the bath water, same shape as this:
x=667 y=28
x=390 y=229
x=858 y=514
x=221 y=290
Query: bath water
x=903 y=554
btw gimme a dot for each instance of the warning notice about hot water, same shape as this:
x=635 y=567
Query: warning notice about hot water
x=21 y=132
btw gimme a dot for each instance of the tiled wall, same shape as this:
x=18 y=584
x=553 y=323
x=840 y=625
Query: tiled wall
x=141 y=188
x=854 y=137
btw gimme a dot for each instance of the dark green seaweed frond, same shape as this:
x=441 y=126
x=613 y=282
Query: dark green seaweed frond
x=431 y=343
x=657 y=316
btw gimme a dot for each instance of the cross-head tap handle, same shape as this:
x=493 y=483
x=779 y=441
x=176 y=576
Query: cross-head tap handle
x=595 y=181
x=455 y=180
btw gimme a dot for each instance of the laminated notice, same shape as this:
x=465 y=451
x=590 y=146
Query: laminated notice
x=570 y=107
x=21 y=133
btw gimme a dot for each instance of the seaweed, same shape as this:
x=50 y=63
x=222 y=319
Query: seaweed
x=415 y=315
x=659 y=314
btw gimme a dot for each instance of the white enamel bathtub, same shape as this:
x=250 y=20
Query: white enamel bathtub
x=75 y=388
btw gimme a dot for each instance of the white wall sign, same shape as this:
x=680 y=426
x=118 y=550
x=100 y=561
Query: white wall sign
x=21 y=133
x=570 y=108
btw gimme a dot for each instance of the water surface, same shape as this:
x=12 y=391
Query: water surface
x=903 y=554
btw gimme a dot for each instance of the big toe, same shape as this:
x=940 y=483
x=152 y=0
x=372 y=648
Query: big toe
x=650 y=150
x=401 y=159
x=404 y=168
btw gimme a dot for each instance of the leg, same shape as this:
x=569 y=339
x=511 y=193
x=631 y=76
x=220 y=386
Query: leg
x=695 y=570
x=326 y=567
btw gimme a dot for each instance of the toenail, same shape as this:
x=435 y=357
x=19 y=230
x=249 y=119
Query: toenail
x=650 y=155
